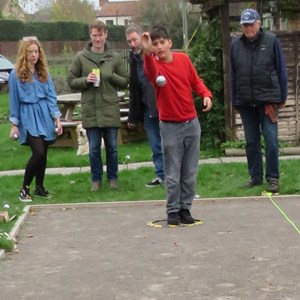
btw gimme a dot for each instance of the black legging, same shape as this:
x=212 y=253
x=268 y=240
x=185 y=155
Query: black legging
x=36 y=166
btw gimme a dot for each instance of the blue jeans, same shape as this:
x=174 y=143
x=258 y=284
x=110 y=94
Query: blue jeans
x=151 y=126
x=110 y=140
x=256 y=121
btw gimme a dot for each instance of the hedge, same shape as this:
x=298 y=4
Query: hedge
x=14 y=30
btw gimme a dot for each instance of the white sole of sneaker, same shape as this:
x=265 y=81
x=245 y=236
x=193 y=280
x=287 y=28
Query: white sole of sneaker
x=25 y=200
x=151 y=186
x=45 y=197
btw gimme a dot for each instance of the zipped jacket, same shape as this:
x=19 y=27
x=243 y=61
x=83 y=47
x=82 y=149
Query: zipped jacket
x=100 y=105
x=141 y=91
x=258 y=71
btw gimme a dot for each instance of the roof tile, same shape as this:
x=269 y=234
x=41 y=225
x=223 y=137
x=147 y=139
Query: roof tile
x=119 y=8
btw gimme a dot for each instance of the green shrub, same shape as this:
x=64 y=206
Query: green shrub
x=6 y=243
x=11 y=30
x=14 y=30
x=206 y=55
x=240 y=144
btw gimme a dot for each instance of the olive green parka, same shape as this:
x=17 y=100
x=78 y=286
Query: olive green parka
x=99 y=105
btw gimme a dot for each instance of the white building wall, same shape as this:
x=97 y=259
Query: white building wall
x=117 y=20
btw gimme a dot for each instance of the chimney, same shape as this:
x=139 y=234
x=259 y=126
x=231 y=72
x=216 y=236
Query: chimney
x=102 y=2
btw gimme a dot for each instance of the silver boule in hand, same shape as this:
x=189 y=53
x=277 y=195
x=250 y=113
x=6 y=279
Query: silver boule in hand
x=161 y=80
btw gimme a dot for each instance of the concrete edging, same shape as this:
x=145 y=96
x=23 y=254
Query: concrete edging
x=16 y=228
x=285 y=151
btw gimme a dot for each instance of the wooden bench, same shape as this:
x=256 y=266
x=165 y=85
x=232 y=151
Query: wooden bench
x=127 y=135
x=69 y=137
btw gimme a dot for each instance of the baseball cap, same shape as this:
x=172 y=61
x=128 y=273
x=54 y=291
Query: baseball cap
x=249 y=16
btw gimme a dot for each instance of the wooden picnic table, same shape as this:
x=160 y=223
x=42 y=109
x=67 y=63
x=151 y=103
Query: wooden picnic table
x=68 y=104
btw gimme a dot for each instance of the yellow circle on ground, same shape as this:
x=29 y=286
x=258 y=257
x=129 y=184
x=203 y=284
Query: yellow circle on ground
x=163 y=224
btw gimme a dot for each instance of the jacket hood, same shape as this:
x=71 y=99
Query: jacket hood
x=97 y=57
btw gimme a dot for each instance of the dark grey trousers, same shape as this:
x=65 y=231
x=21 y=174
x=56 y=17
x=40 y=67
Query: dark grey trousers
x=181 y=146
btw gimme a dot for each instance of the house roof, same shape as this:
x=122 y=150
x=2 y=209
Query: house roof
x=123 y=9
x=215 y=2
x=211 y=4
x=40 y=16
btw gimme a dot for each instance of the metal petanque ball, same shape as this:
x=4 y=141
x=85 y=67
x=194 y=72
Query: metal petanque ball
x=161 y=80
x=16 y=136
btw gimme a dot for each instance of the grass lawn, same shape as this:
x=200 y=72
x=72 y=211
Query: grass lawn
x=14 y=156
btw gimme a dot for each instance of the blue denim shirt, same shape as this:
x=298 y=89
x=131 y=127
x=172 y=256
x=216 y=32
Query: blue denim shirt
x=33 y=107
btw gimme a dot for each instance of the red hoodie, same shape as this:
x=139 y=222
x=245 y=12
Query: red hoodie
x=175 y=100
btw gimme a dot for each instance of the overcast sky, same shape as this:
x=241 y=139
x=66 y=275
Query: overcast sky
x=31 y=6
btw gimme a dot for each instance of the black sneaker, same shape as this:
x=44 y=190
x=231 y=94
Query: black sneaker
x=24 y=195
x=273 y=185
x=155 y=182
x=185 y=216
x=173 y=218
x=40 y=191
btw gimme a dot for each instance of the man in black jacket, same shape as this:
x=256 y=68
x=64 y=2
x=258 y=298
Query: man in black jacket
x=142 y=107
x=259 y=89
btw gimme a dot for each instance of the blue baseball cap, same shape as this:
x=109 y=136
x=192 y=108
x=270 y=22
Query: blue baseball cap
x=249 y=16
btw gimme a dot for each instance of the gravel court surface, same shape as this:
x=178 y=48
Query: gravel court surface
x=245 y=249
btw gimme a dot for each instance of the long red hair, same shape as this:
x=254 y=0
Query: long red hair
x=23 y=66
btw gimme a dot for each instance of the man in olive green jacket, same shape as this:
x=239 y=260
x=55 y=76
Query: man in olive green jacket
x=98 y=72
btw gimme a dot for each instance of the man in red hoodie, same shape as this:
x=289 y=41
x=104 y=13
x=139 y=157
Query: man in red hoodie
x=174 y=78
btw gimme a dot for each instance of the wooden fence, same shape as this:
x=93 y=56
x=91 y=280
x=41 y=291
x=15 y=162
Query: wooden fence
x=62 y=69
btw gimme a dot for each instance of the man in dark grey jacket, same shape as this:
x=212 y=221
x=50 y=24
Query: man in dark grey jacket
x=142 y=106
x=259 y=89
